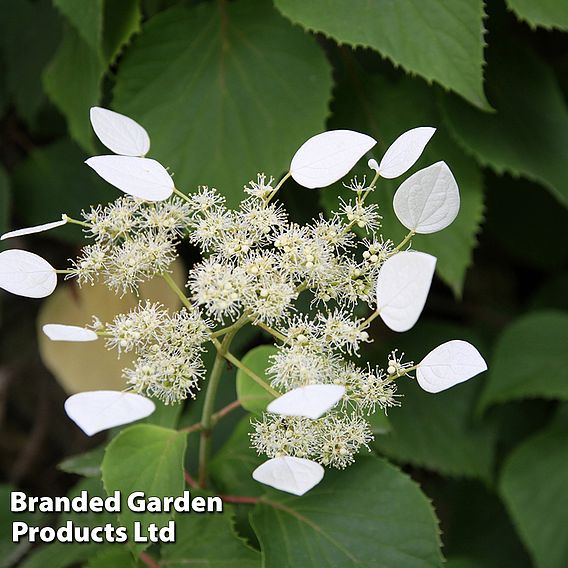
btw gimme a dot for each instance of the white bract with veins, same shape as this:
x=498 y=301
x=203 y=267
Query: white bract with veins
x=449 y=364
x=402 y=288
x=119 y=133
x=61 y=332
x=26 y=274
x=311 y=401
x=95 y=411
x=429 y=200
x=257 y=267
x=293 y=475
x=140 y=177
x=327 y=157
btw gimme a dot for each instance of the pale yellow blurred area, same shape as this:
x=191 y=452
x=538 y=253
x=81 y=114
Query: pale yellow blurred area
x=90 y=366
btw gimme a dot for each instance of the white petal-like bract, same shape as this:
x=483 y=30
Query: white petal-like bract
x=327 y=157
x=429 y=200
x=286 y=473
x=402 y=154
x=402 y=288
x=36 y=229
x=26 y=274
x=61 y=332
x=119 y=133
x=449 y=364
x=311 y=401
x=140 y=177
x=96 y=411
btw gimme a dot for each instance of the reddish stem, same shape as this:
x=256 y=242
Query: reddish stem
x=189 y=480
x=148 y=560
x=240 y=499
x=225 y=410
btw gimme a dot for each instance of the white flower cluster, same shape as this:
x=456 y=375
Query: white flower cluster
x=255 y=264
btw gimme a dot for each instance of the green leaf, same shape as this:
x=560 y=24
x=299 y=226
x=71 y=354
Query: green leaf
x=30 y=35
x=379 y=422
x=60 y=554
x=250 y=394
x=519 y=85
x=209 y=539
x=441 y=41
x=232 y=466
x=534 y=486
x=544 y=13
x=369 y=515
x=86 y=18
x=87 y=464
x=121 y=21
x=72 y=81
x=54 y=180
x=438 y=431
x=145 y=458
x=112 y=558
x=385 y=109
x=530 y=360
x=241 y=91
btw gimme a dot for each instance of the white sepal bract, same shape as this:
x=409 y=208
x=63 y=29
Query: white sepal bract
x=449 y=364
x=311 y=401
x=95 y=411
x=327 y=157
x=402 y=288
x=290 y=474
x=119 y=133
x=402 y=154
x=61 y=332
x=26 y=274
x=35 y=229
x=429 y=200
x=140 y=177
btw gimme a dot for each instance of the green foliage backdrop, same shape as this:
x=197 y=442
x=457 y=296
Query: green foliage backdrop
x=477 y=475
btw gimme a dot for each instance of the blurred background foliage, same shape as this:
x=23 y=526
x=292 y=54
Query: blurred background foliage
x=227 y=89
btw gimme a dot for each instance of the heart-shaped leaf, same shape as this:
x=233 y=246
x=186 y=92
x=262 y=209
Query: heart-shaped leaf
x=140 y=177
x=402 y=288
x=286 y=473
x=449 y=364
x=327 y=157
x=429 y=200
x=26 y=274
x=311 y=401
x=95 y=411
x=119 y=133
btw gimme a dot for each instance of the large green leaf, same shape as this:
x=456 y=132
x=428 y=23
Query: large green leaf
x=528 y=135
x=367 y=516
x=385 y=109
x=30 y=34
x=438 y=431
x=231 y=468
x=242 y=89
x=544 y=13
x=87 y=464
x=145 y=458
x=442 y=41
x=210 y=540
x=86 y=18
x=250 y=394
x=534 y=486
x=530 y=360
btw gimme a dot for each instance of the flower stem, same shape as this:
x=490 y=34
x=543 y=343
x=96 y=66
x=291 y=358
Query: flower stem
x=403 y=242
x=272 y=332
x=182 y=195
x=237 y=363
x=209 y=402
x=170 y=282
